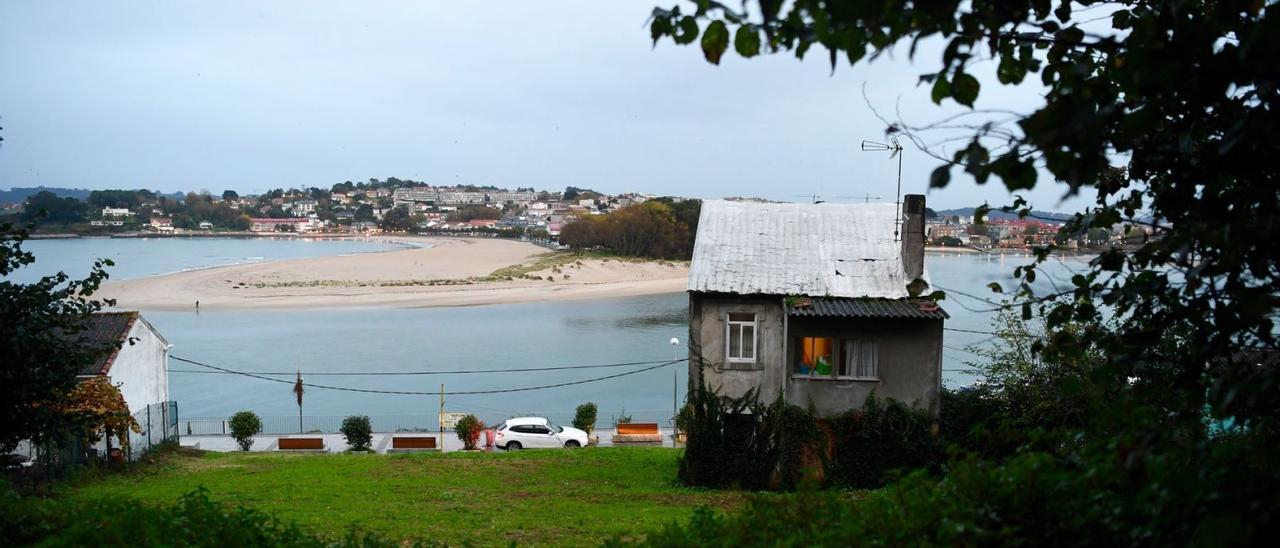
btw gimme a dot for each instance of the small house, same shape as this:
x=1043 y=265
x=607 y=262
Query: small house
x=138 y=366
x=821 y=303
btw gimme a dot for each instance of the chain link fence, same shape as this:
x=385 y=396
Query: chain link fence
x=159 y=422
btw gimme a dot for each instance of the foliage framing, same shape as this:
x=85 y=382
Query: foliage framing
x=39 y=327
x=1170 y=116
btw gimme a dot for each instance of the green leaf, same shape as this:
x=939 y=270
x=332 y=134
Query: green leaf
x=964 y=89
x=747 y=41
x=995 y=287
x=941 y=88
x=940 y=177
x=715 y=39
x=686 y=31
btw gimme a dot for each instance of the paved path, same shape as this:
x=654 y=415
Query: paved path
x=336 y=443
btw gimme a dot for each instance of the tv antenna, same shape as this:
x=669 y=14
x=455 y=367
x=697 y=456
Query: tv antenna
x=895 y=149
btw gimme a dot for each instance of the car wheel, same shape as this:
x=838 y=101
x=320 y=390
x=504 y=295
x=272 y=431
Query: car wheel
x=514 y=446
x=572 y=443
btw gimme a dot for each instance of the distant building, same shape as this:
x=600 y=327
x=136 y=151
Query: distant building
x=116 y=212
x=162 y=224
x=293 y=224
x=814 y=302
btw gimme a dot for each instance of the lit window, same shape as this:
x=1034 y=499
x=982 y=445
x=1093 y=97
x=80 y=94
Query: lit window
x=740 y=342
x=860 y=358
x=815 y=356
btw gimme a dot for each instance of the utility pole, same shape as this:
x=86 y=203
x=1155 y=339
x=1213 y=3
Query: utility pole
x=675 y=376
x=441 y=417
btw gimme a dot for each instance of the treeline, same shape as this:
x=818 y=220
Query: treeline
x=659 y=229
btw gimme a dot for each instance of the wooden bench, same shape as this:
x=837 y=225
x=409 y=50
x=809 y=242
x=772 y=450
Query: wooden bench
x=409 y=443
x=300 y=444
x=637 y=432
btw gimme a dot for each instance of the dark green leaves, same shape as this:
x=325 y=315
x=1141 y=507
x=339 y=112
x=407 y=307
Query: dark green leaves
x=940 y=177
x=747 y=41
x=686 y=32
x=941 y=88
x=964 y=89
x=714 y=41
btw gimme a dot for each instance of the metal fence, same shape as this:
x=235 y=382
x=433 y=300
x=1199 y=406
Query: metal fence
x=159 y=422
x=314 y=424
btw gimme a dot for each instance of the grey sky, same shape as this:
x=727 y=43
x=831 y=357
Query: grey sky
x=255 y=95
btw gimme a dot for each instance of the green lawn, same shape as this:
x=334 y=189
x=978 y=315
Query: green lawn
x=558 y=497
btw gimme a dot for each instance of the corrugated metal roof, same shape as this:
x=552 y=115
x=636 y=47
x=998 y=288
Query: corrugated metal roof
x=867 y=308
x=818 y=250
x=102 y=329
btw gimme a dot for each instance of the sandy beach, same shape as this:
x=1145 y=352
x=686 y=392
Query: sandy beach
x=452 y=272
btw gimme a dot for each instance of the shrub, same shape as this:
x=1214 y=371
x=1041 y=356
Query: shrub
x=244 y=425
x=358 y=431
x=739 y=442
x=584 y=417
x=867 y=444
x=1102 y=497
x=469 y=429
x=193 y=521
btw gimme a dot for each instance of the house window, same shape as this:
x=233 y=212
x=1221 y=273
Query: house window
x=832 y=358
x=740 y=341
x=859 y=358
x=816 y=356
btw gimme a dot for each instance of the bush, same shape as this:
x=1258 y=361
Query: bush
x=244 y=425
x=584 y=418
x=739 y=442
x=867 y=444
x=469 y=429
x=193 y=521
x=1099 y=498
x=358 y=431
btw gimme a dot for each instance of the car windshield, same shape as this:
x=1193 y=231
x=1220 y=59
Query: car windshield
x=554 y=428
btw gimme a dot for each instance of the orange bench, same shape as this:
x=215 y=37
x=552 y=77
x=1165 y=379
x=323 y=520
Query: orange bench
x=637 y=432
x=413 y=443
x=300 y=444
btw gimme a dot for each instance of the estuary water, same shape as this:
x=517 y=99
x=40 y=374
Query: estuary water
x=472 y=349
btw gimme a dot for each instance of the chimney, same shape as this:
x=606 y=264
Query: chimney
x=913 y=236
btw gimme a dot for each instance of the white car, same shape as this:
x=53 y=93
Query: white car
x=536 y=432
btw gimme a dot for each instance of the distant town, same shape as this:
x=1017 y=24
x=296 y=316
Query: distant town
x=405 y=206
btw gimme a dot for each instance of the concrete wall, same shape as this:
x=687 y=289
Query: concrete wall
x=707 y=316
x=910 y=363
x=140 y=368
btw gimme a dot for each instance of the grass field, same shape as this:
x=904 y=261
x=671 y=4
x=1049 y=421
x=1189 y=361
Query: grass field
x=530 y=497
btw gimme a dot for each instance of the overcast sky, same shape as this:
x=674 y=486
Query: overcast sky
x=249 y=96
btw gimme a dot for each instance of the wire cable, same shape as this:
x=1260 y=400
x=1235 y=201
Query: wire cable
x=455 y=372
x=414 y=393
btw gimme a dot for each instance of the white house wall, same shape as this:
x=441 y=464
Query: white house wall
x=139 y=368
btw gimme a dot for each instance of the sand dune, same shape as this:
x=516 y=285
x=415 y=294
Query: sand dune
x=453 y=272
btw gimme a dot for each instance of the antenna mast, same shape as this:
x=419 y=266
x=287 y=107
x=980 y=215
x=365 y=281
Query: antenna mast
x=895 y=149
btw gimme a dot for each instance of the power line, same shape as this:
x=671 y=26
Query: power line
x=956 y=329
x=395 y=373
x=414 y=393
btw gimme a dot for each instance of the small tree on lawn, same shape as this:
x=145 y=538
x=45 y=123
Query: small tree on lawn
x=584 y=417
x=358 y=431
x=244 y=425
x=469 y=429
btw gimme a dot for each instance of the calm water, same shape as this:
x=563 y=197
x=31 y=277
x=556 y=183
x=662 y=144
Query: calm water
x=498 y=337
x=139 y=257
